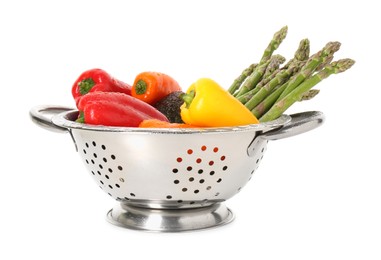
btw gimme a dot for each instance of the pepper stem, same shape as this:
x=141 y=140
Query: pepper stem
x=140 y=87
x=188 y=98
x=81 y=117
x=86 y=85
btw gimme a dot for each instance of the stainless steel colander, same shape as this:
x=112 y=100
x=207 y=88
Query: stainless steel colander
x=171 y=179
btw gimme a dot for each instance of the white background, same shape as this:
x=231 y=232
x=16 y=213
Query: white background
x=314 y=196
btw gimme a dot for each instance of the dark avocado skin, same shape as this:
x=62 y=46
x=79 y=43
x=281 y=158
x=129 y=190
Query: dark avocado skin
x=170 y=106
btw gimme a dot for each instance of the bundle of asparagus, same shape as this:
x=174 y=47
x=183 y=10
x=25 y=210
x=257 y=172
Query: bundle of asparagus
x=269 y=89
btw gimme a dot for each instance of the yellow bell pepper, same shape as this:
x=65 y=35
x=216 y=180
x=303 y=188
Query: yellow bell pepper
x=207 y=104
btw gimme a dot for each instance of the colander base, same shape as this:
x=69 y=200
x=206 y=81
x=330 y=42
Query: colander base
x=170 y=220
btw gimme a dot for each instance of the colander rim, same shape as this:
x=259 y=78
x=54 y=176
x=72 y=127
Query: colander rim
x=67 y=120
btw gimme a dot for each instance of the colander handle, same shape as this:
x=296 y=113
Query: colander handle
x=42 y=116
x=300 y=123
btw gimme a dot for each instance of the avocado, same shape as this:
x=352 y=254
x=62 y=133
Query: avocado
x=170 y=106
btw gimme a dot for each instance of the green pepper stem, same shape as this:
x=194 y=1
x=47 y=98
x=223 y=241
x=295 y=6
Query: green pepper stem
x=141 y=87
x=81 y=117
x=188 y=98
x=86 y=85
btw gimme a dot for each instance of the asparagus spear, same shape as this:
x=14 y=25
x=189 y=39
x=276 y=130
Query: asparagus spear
x=309 y=94
x=275 y=62
x=266 y=79
x=301 y=54
x=271 y=70
x=247 y=96
x=282 y=105
x=263 y=92
x=324 y=56
x=266 y=104
x=241 y=78
x=274 y=44
x=253 y=79
x=303 y=51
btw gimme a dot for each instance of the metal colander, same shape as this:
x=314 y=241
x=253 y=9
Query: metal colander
x=171 y=179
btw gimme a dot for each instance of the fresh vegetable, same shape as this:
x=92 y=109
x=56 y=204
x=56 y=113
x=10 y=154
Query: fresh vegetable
x=151 y=87
x=271 y=87
x=170 y=106
x=334 y=68
x=280 y=78
x=115 y=109
x=274 y=44
x=155 y=123
x=242 y=77
x=264 y=90
x=253 y=79
x=97 y=80
x=207 y=104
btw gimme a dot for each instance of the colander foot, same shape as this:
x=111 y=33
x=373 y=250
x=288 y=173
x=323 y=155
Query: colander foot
x=170 y=220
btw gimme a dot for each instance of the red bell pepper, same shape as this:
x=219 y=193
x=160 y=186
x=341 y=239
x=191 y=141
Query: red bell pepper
x=115 y=109
x=97 y=80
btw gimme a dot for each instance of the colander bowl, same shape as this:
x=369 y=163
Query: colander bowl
x=171 y=179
